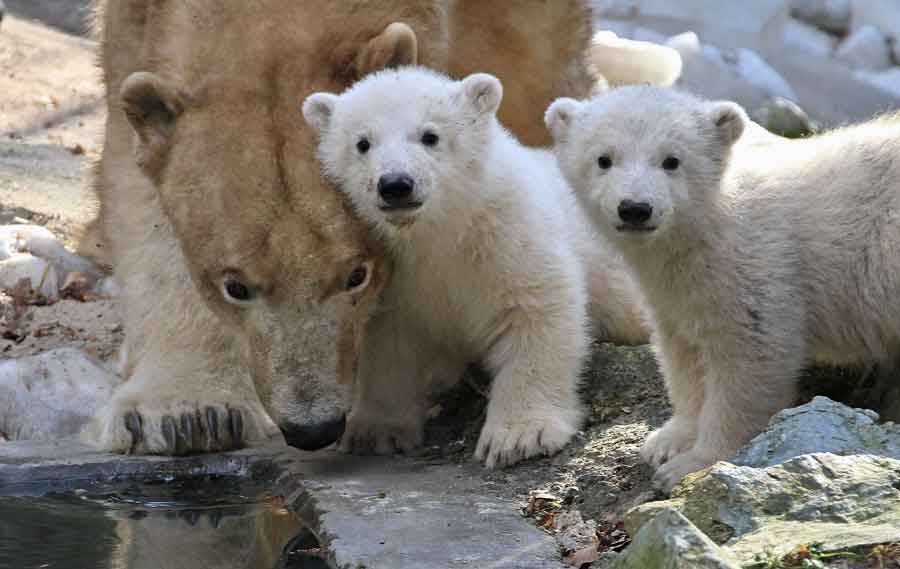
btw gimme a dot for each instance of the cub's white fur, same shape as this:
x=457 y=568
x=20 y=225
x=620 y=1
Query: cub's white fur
x=488 y=263
x=760 y=255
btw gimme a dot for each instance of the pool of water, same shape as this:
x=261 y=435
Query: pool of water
x=204 y=522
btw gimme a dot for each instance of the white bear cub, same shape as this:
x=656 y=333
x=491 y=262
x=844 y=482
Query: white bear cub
x=485 y=267
x=753 y=263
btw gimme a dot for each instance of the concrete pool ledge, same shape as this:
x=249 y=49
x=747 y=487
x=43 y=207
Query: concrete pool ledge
x=372 y=512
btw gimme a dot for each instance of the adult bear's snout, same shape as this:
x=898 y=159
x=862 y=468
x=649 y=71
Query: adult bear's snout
x=315 y=436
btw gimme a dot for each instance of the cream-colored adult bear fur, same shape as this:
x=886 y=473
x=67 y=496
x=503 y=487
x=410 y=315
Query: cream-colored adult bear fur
x=755 y=259
x=247 y=283
x=486 y=241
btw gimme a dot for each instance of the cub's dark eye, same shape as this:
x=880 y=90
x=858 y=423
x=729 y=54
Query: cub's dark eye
x=605 y=162
x=357 y=277
x=430 y=139
x=363 y=145
x=237 y=291
x=671 y=163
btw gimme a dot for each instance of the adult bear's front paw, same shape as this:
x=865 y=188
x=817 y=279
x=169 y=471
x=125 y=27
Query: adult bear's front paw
x=372 y=432
x=175 y=426
x=508 y=439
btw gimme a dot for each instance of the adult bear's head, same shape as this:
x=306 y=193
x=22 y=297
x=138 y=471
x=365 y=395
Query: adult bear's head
x=273 y=249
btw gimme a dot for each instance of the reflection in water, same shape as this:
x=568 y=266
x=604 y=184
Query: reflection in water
x=203 y=522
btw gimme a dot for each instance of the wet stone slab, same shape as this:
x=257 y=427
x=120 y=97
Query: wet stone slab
x=369 y=512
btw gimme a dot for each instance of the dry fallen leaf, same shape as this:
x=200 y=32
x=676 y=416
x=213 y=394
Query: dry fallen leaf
x=578 y=558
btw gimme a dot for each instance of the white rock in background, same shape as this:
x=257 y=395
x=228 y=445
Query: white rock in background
x=24 y=266
x=883 y=14
x=756 y=25
x=831 y=15
x=885 y=80
x=866 y=48
x=734 y=74
x=627 y=62
x=51 y=395
x=808 y=38
x=41 y=242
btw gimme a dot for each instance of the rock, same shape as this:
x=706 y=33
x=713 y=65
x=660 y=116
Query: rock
x=671 y=541
x=831 y=15
x=809 y=39
x=754 y=25
x=739 y=75
x=843 y=502
x=822 y=425
x=882 y=14
x=41 y=242
x=627 y=62
x=573 y=533
x=888 y=81
x=52 y=395
x=865 y=48
x=828 y=91
x=784 y=118
x=21 y=266
x=616 y=9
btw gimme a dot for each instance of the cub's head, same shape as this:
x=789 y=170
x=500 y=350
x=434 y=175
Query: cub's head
x=643 y=160
x=396 y=141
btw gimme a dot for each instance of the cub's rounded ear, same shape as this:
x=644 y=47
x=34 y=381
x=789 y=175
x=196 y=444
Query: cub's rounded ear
x=152 y=106
x=729 y=119
x=560 y=116
x=318 y=109
x=482 y=92
x=396 y=46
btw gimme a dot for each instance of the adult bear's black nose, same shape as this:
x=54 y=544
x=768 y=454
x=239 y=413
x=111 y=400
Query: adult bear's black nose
x=396 y=191
x=635 y=213
x=316 y=435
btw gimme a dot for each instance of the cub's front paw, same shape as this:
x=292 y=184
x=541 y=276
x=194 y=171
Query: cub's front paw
x=369 y=432
x=671 y=473
x=507 y=440
x=672 y=439
x=172 y=426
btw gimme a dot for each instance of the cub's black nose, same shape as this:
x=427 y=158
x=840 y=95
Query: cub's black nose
x=396 y=190
x=635 y=213
x=316 y=435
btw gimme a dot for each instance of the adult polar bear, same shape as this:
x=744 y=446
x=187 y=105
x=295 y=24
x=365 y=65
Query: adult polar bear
x=246 y=279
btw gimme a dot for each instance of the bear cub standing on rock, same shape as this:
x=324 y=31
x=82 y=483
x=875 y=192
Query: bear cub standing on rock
x=753 y=263
x=485 y=268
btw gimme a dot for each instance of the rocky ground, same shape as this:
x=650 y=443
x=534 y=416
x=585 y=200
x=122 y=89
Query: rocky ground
x=50 y=121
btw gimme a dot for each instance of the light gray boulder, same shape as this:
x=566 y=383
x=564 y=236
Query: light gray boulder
x=801 y=36
x=671 y=541
x=822 y=425
x=52 y=395
x=866 y=48
x=831 y=15
x=843 y=502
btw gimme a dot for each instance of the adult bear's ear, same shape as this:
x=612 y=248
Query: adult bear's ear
x=396 y=46
x=729 y=119
x=152 y=106
x=560 y=116
x=318 y=109
x=482 y=92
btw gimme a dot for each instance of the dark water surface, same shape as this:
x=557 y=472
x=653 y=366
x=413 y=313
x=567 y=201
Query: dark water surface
x=205 y=522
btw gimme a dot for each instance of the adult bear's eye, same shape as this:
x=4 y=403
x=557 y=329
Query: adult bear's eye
x=671 y=163
x=605 y=162
x=363 y=145
x=358 y=277
x=238 y=292
x=430 y=138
